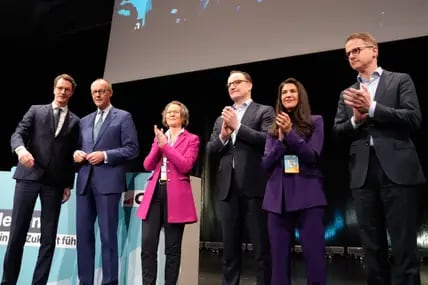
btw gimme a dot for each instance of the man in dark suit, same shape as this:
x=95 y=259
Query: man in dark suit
x=44 y=141
x=108 y=140
x=378 y=114
x=238 y=140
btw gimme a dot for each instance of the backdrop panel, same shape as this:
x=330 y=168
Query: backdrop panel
x=64 y=265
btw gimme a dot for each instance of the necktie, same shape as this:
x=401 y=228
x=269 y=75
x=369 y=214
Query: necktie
x=98 y=124
x=57 y=113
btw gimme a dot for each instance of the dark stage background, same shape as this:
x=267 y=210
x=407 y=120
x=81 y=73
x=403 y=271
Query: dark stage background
x=46 y=38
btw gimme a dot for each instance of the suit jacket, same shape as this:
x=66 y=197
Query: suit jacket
x=396 y=116
x=246 y=153
x=301 y=190
x=181 y=157
x=53 y=155
x=118 y=138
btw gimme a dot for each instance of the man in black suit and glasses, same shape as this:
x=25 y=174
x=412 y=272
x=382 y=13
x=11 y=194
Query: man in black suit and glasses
x=237 y=141
x=44 y=146
x=378 y=113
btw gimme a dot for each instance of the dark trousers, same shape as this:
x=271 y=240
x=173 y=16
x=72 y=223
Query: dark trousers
x=26 y=193
x=235 y=212
x=157 y=218
x=383 y=206
x=310 y=223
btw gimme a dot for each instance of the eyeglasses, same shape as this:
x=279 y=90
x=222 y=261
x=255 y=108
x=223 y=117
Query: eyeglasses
x=234 y=83
x=65 y=89
x=356 y=51
x=173 y=112
x=101 y=92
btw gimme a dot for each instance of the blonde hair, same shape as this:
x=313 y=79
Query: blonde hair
x=366 y=37
x=184 y=113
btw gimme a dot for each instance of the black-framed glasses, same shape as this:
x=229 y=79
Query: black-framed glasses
x=356 y=51
x=235 y=82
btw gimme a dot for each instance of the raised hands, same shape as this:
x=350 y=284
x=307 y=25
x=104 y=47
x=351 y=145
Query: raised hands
x=230 y=118
x=359 y=100
x=160 y=136
x=284 y=123
x=229 y=124
x=225 y=131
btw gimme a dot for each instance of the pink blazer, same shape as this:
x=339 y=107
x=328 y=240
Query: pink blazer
x=181 y=157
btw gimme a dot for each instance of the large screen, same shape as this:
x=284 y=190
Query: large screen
x=163 y=37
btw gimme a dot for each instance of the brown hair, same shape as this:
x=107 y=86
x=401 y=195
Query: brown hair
x=65 y=77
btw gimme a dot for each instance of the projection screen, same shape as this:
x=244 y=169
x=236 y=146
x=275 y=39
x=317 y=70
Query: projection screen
x=163 y=37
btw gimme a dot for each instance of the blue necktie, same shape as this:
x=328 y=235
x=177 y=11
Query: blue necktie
x=98 y=124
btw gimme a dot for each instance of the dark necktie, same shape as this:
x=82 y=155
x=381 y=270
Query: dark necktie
x=98 y=124
x=57 y=114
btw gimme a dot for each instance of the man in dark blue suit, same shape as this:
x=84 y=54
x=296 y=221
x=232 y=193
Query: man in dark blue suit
x=44 y=141
x=378 y=114
x=108 y=140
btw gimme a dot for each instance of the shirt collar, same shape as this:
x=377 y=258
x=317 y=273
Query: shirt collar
x=106 y=110
x=243 y=106
x=375 y=75
x=167 y=133
x=63 y=109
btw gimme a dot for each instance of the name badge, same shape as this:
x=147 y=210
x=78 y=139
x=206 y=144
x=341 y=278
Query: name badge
x=291 y=164
x=163 y=169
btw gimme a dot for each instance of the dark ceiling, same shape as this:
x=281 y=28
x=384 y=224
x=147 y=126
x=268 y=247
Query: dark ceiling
x=47 y=18
x=40 y=39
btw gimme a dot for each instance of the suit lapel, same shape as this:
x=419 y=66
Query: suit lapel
x=90 y=129
x=249 y=113
x=384 y=81
x=49 y=118
x=180 y=139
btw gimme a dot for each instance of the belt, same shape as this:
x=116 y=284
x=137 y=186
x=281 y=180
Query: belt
x=162 y=181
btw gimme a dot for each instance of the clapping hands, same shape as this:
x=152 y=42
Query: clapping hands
x=160 y=136
x=284 y=124
x=359 y=100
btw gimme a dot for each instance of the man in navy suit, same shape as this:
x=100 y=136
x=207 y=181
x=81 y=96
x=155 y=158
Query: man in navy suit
x=237 y=141
x=108 y=140
x=378 y=114
x=44 y=146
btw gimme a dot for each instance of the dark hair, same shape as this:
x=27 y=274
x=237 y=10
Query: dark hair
x=300 y=115
x=246 y=75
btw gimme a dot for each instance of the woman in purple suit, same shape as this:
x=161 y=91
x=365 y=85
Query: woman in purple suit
x=294 y=197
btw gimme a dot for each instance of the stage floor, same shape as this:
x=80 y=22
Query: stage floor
x=340 y=269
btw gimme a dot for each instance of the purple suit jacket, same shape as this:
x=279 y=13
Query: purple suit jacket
x=181 y=157
x=294 y=191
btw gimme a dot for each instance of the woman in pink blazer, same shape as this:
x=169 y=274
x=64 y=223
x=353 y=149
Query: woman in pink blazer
x=168 y=200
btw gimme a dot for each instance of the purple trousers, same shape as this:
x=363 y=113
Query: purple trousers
x=281 y=227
